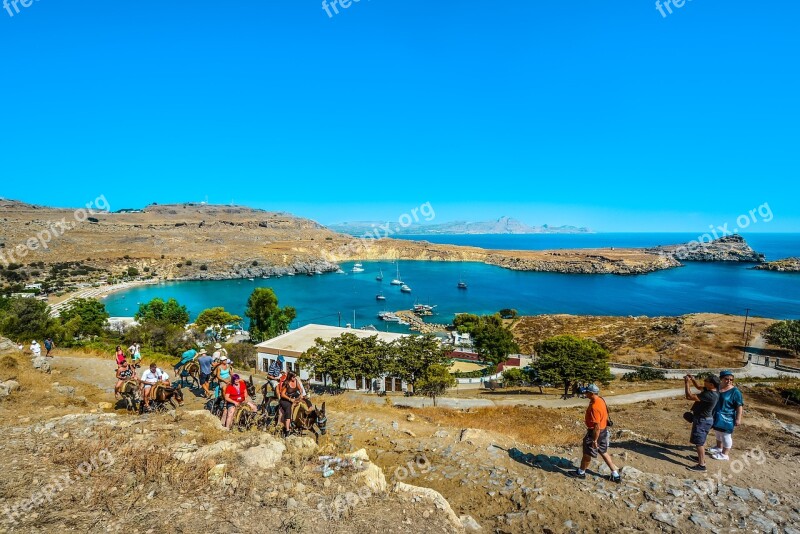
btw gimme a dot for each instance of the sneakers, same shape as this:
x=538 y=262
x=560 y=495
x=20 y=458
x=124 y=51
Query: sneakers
x=575 y=474
x=713 y=450
x=720 y=456
x=698 y=468
x=615 y=478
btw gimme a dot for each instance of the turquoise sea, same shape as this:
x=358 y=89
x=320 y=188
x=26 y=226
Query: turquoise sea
x=336 y=298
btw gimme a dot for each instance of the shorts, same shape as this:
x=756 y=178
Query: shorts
x=700 y=429
x=205 y=378
x=602 y=443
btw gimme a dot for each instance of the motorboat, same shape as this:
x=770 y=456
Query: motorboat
x=405 y=289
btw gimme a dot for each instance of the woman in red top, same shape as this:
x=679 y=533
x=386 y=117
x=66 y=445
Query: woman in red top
x=235 y=394
x=120 y=355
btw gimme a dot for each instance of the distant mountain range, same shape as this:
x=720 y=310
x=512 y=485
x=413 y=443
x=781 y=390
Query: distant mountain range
x=503 y=225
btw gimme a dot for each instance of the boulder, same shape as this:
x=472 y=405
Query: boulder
x=264 y=456
x=303 y=446
x=69 y=391
x=11 y=385
x=41 y=363
x=105 y=406
x=6 y=345
x=435 y=497
x=469 y=524
x=372 y=477
x=185 y=455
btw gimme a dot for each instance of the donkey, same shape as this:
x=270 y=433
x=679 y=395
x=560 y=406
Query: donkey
x=316 y=421
x=164 y=395
x=130 y=394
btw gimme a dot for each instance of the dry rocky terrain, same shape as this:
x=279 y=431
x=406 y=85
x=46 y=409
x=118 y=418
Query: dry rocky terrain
x=497 y=470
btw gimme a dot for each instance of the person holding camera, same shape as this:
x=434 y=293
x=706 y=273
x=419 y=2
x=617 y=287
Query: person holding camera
x=701 y=414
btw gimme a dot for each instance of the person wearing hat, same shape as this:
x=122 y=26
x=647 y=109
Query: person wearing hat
x=205 y=361
x=703 y=415
x=597 y=438
x=727 y=416
x=36 y=349
x=275 y=371
x=219 y=349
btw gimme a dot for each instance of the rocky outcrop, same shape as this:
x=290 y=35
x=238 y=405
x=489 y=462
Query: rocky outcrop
x=788 y=265
x=728 y=248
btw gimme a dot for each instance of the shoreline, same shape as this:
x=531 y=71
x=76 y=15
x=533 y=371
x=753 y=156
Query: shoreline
x=97 y=293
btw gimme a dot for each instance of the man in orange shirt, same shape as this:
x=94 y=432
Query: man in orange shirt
x=596 y=440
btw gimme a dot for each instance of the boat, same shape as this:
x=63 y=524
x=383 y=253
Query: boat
x=290 y=273
x=252 y=279
x=379 y=278
x=462 y=284
x=389 y=317
x=340 y=271
x=358 y=268
x=380 y=296
x=317 y=272
x=397 y=281
x=423 y=309
x=405 y=289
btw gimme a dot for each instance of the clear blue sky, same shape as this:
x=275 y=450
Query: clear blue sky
x=603 y=114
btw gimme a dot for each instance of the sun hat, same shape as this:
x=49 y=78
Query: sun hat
x=217 y=346
x=591 y=388
x=202 y=351
x=281 y=359
x=725 y=373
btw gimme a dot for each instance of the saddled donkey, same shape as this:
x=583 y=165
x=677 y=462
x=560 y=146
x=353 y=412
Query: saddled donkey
x=316 y=420
x=192 y=370
x=161 y=395
x=130 y=394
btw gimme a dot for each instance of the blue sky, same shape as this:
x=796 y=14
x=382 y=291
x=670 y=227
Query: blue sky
x=599 y=114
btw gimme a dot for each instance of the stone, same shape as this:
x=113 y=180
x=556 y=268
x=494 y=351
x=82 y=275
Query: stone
x=758 y=494
x=105 y=405
x=185 y=455
x=766 y=525
x=11 y=385
x=42 y=364
x=410 y=417
x=291 y=503
x=410 y=433
x=69 y=391
x=372 y=477
x=434 y=496
x=440 y=434
x=303 y=446
x=216 y=474
x=701 y=521
x=741 y=493
x=264 y=456
x=666 y=518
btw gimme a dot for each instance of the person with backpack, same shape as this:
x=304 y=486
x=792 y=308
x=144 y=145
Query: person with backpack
x=597 y=440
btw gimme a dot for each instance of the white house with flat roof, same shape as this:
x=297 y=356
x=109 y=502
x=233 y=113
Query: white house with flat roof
x=292 y=345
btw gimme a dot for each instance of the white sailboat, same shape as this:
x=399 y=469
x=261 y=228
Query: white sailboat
x=397 y=281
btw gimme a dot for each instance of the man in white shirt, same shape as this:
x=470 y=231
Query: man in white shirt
x=150 y=378
x=36 y=349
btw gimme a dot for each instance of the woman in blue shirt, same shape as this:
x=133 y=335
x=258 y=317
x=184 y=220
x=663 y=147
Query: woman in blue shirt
x=727 y=415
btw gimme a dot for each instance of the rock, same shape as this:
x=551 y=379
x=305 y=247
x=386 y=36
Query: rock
x=701 y=521
x=434 y=496
x=216 y=474
x=395 y=425
x=766 y=525
x=41 y=363
x=372 y=477
x=440 y=434
x=285 y=471
x=469 y=524
x=291 y=503
x=264 y=456
x=666 y=518
x=410 y=433
x=741 y=493
x=473 y=436
x=69 y=391
x=410 y=417
x=184 y=455
x=300 y=445
x=758 y=494
x=105 y=405
x=11 y=385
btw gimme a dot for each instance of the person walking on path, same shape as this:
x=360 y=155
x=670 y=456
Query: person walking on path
x=702 y=415
x=205 y=371
x=727 y=416
x=48 y=347
x=36 y=349
x=597 y=438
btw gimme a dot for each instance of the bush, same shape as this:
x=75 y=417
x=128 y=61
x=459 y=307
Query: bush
x=203 y=267
x=242 y=354
x=133 y=271
x=645 y=374
x=189 y=263
x=792 y=395
x=255 y=264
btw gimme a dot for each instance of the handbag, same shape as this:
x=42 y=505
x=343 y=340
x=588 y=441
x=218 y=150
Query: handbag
x=610 y=423
x=689 y=417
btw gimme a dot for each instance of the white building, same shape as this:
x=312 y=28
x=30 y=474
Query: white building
x=292 y=345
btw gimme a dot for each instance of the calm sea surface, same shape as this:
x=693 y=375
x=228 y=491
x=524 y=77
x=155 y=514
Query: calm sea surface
x=697 y=287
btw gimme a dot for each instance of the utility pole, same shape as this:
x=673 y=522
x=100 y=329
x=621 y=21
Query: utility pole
x=340 y=319
x=744 y=330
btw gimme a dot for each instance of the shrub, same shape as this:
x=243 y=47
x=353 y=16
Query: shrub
x=255 y=264
x=792 y=395
x=189 y=263
x=203 y=267
x=645 y=374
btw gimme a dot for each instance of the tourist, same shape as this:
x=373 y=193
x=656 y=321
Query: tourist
x=292 y=393
x=36 y=349
x=219 y=349
x=48 y=347
x=235 y=394
x=205 y=362
x=702 y=415
x=727 y=416
x=124 y=373
x=120 y=355
x=274 y=372
x=150 y=378
x=223 y=376
x=186 y=357
x=597 y=437
x=135 y=352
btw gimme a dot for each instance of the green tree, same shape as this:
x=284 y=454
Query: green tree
x=216 y=319
x=412 y=356
x=267 y=319
x=163 y=313
x=568 y=359
x=25 y=319
x=347 y=357
x=85 y=317
x=492 y=340
x=466 y=322
x=508 y=313
x=785 y=334
x=435 y=381
x=514 y=376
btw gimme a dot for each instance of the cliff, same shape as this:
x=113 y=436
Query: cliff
x=728 y=248
x=788 y=265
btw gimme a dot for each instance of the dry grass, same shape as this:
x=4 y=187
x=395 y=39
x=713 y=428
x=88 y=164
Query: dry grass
x=533 y=426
